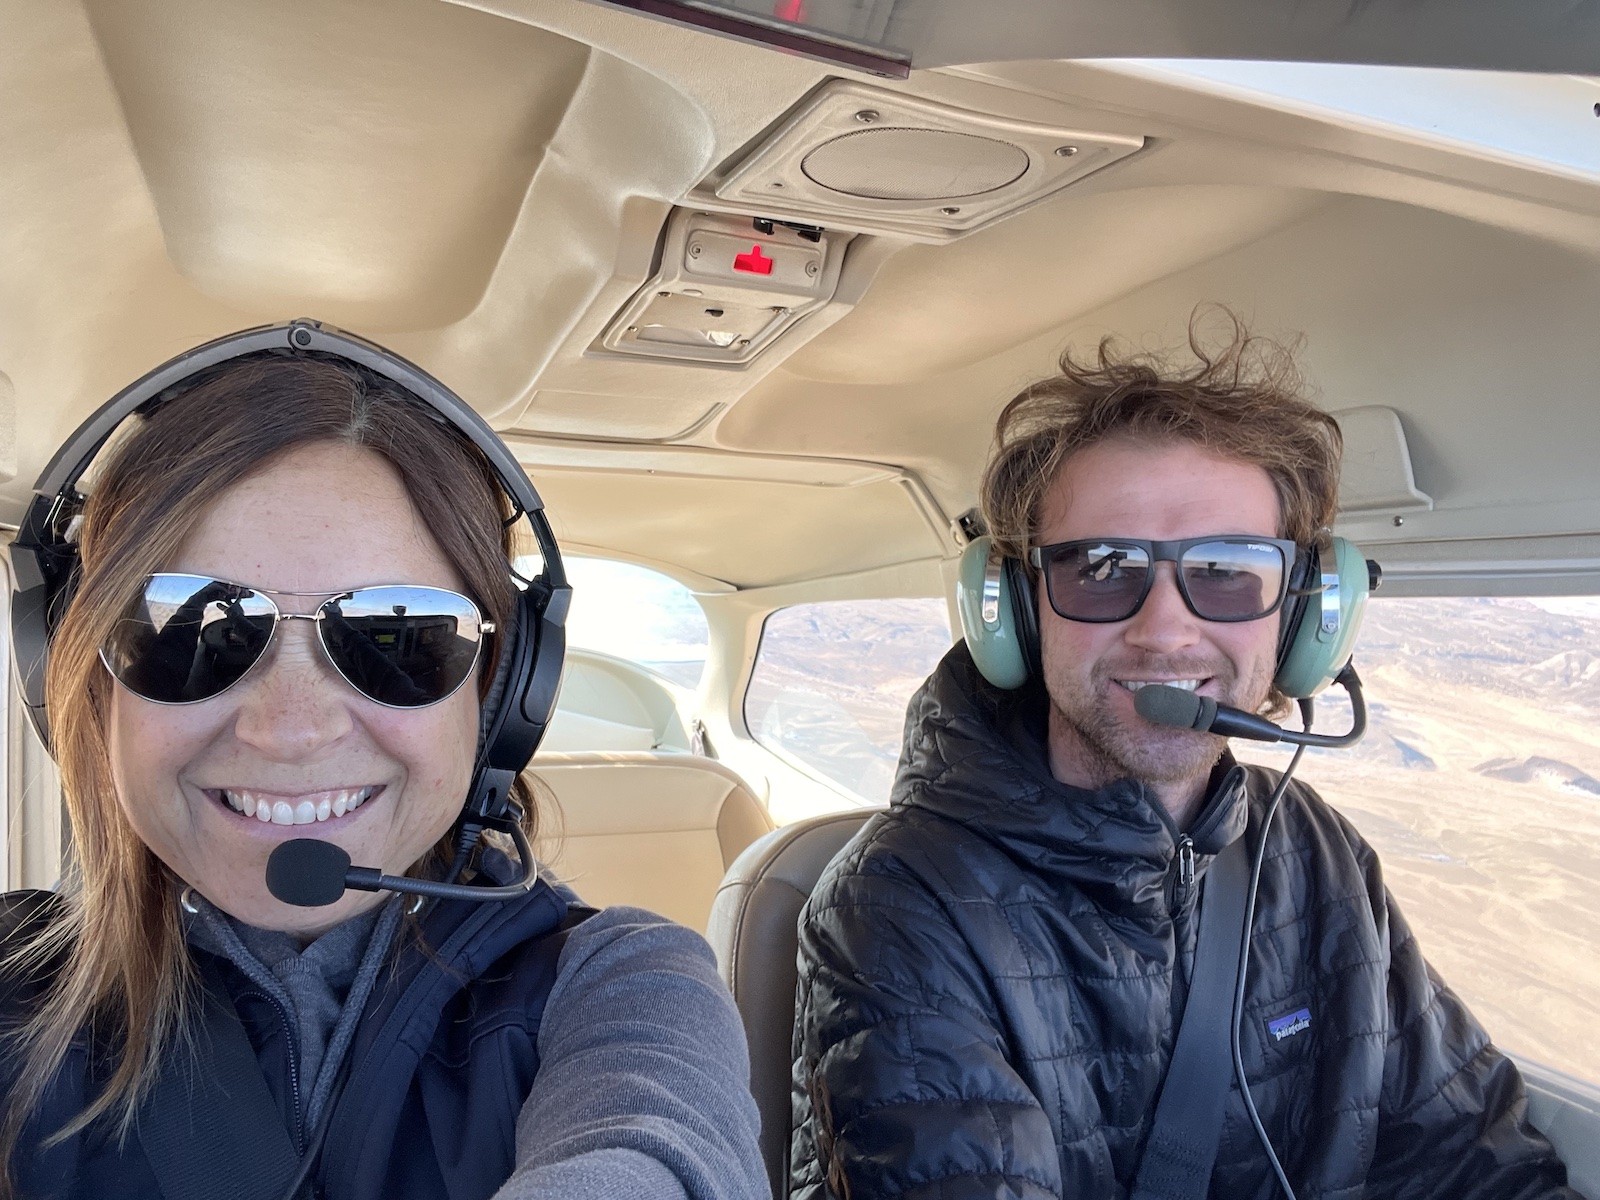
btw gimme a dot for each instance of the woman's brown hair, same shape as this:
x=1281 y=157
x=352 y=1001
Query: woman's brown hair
x=124 y=973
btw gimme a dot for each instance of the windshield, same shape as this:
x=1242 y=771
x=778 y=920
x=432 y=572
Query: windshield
x=1487 y=34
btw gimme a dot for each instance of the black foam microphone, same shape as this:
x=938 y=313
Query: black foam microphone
x=1180 y=709
x=310 y=873
x=307 y=872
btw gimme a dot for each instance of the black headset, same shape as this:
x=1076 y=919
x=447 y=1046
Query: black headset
x=44 y=554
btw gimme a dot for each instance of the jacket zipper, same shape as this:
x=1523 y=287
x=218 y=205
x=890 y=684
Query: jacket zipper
x=1184 y=892
x=297 y=1123
x=1185 y=859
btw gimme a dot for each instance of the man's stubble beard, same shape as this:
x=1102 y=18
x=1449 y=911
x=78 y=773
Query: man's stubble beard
x=1106 y=749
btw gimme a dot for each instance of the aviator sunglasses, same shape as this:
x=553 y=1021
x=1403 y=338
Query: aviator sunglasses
x=187 y=638
x=1231 y=577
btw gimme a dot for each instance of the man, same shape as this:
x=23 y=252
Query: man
x=994 y=972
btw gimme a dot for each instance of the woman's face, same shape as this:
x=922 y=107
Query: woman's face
x=325 y=519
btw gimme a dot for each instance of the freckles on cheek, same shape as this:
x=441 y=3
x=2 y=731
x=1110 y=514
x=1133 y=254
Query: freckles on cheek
x=149 y=747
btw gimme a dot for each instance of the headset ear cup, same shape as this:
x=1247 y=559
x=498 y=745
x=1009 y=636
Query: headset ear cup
x=44 y=579
x=1320 y=630
x=988 y=615
x=1025 y=611
x=519 y=704
x=538 y=696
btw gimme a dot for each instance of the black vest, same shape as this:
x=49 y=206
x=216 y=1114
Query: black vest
x=444 y=1056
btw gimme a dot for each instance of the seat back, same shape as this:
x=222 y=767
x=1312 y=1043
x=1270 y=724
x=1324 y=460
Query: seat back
x=656 y=830
x=754 y=930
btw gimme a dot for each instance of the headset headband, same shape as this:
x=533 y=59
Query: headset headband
x=147 y=394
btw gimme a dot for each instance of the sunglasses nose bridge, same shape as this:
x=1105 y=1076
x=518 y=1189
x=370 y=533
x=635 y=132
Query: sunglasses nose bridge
x=1169 y=573
x=318 y=642
x=1165 y=587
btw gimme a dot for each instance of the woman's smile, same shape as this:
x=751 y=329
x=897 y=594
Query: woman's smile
x=302 y=808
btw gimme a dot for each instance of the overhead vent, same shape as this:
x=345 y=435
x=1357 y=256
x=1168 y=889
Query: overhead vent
x=878 y=162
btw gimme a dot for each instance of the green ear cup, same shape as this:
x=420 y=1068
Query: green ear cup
x=988 y=618
x=1321 y=646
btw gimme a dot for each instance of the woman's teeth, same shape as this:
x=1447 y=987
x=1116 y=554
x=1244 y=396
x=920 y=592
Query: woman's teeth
x=271 y=810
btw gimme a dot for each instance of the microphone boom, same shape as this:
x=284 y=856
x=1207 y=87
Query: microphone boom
x=310 y=873
x=1180 y=709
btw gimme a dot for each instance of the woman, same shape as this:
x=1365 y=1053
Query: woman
x=287 y=612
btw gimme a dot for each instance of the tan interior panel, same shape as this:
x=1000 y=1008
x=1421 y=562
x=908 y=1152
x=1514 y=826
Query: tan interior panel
x=933 y=308
x=1457 y=325
x=1461 y=327
x=382 y=173
x=542 y=454
x=747 y=533
x=653 y=418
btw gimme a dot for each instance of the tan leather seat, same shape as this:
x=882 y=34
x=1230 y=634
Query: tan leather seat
x=653 y=829
x=753 y=929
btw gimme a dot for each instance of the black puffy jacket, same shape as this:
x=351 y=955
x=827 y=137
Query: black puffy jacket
x=992 y=974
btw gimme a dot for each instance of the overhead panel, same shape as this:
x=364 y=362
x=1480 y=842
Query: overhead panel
x=727 y=288
x=861 y=158
x=747 y=532
x=751 y=520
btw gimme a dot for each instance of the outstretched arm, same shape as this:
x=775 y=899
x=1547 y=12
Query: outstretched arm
x=643 y=1086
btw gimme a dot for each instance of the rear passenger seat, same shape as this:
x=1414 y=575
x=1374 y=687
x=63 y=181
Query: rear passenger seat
x=648 y=828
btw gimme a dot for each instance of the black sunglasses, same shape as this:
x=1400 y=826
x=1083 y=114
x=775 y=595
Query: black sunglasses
x=1229 y=577
x=187 y=638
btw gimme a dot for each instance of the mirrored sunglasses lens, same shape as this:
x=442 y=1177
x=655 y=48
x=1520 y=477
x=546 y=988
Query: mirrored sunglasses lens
x=402 y=646
x=1233 y=580
x=188 y=638
x=1097 y=581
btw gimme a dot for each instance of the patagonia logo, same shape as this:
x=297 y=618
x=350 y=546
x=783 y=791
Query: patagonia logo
x=1289 y=1024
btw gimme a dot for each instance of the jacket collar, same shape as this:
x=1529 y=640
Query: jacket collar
x=976 y=755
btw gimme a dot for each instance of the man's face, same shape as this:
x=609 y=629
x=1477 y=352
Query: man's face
x=1157 y=491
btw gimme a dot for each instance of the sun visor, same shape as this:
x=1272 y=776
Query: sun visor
x=1377 y=476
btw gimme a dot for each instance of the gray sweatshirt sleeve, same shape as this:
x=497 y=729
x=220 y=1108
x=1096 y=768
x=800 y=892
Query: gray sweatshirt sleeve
x=643 y=1085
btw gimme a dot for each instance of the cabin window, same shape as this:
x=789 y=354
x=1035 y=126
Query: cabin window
x=1479 y=784
x=832 y=680
x=635 y=613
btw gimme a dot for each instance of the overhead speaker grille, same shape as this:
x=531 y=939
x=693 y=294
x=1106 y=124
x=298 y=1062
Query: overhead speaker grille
x=859 y=158
x=914 y=164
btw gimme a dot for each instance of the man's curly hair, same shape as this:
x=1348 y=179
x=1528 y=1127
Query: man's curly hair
x=1244 y=400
